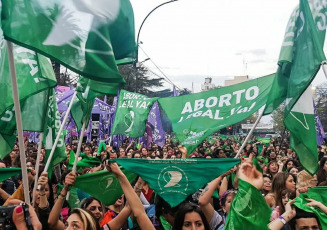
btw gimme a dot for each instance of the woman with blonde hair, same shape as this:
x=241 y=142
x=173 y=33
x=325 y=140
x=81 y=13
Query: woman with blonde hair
x=81 y=219
x=305 y=181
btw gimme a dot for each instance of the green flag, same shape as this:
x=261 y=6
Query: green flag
x=51 y=129
x=86 y=162
x=73 y=200
x=300 y=55
x=5 y=173
x=34 y=76
x=132 y=113
x=307 y=54
x=176 y=179
x=103 y=185
x=301 y=124
x=196 y=116
x=86 y=37
x=7 y=143
x=318 y=194
x=249 y=209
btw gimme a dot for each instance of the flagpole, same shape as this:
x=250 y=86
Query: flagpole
x=77 y=153
x=250 y=133
x=59 y=133
x=323 y=65
x=37 y=166
x=18 y=122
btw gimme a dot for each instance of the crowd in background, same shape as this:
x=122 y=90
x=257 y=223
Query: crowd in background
x=282 y=177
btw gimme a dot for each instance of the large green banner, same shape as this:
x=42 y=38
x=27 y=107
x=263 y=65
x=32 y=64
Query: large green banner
x=132 y=113
x=196 y=116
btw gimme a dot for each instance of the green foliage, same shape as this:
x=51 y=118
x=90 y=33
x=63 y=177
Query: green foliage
x=278 y=118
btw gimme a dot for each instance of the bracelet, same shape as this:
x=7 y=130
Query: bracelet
x=282 y=219
x=62 y=195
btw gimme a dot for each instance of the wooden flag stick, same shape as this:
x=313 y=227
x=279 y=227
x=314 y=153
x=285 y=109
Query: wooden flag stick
x=19 y=122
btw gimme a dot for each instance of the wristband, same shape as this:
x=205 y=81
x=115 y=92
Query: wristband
x=282 y=219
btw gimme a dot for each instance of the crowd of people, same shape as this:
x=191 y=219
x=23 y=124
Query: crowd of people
x=271 y=168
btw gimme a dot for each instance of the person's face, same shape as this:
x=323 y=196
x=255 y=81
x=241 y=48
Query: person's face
x=87 y=151
x=278 y=157
x=137 y=155
x=221 y=154
x=290 y=184
x=165 y=154
x=313 y=181
x=144 y=152
x=285 y=199
x=272 y=155
x=74 y=223
x=129 y=155
x=193 y=221
x=290 y=164
x=29 y=165
x=119 y=201
x=294 y=171
x=122 y=152
x=306 y=224
x=15 y=148
x=273 y=167
x=37 y=193
x=113 y=155
x=173 y=157
x=228 y=203
x=267 y=184
x=96 y=209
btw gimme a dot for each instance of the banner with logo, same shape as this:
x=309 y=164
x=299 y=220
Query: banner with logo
x=196 y=116
x=176 y=179
x=132 y=113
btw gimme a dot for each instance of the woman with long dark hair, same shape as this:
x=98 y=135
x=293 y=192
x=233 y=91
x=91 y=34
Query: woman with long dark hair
x=190 y=216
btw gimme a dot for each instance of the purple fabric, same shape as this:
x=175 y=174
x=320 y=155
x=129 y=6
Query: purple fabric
x=175 y=92
x=319 y=128
x=34 y=137
x=158 y=134
x=148 y=134
x=89 y=131
x=64 y=98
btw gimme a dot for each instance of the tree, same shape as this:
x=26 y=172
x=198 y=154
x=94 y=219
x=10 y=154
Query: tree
x=63 y=75
x=138 y=80
x=278 y=118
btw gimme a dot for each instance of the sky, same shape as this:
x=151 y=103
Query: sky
x=192 y=39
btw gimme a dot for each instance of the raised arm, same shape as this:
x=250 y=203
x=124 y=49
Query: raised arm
x=134 y=201
x=204 y=200
x=53 y=221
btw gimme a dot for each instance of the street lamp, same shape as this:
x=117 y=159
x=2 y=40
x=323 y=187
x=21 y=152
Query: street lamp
x=138 y=34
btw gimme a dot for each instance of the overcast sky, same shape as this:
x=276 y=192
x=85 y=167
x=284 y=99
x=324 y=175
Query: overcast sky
x=192 y=39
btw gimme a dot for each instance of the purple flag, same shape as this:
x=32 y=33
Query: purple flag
x=319 y=128
x=89 y=131
x=148 y=134
x=101 y=130
x=175 y=92
x=158 y=134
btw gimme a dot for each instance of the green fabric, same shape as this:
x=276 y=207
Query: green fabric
x=102 y=147
x=196 y=116
x=264 y=140
x=303 y=140
x=300 y=56
x=86 y=162
x=34 y=76
x=7 y=143
x=51 y=129
x=102 y=185
x=73 y=200
x=86 y=38
x=174 y=180
x=299 y=61
x=165 y=223
x=249 y=209
x=131 y=114
x=5 y=173
x=318 y=194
